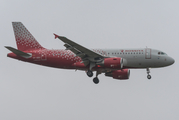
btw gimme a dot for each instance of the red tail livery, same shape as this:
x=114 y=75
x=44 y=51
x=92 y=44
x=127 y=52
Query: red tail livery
x=24 y=39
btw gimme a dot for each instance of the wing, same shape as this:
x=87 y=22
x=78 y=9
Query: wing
x=84 y=53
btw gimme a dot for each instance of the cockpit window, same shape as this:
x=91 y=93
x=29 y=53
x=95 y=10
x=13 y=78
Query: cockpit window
x=162 y=53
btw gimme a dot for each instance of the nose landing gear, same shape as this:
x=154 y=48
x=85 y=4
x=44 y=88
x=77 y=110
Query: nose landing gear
x=148 y=76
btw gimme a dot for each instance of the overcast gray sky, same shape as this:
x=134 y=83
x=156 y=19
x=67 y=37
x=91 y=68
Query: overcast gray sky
x=32 y=92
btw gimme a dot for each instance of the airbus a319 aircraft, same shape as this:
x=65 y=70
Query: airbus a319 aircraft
x=112 y=62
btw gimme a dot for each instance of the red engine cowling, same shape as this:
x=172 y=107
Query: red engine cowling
x=119 y=74
x=115 y=63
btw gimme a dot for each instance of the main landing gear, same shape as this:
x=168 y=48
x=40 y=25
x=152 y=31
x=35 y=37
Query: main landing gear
x=148 y=76
x=90 y=74
x=96 y=80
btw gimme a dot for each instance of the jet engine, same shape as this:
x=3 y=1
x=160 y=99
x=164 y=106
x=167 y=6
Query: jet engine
x=119 y=74
x=114 y=63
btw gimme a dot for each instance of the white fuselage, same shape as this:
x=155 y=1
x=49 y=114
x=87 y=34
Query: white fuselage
x=139 y=58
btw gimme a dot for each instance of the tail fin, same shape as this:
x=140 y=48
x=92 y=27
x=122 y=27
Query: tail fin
x=24 y=39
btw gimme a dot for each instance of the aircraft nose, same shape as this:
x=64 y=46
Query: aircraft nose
x=171 y=61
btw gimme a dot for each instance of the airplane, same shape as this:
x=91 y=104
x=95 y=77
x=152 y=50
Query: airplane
x=114 y=63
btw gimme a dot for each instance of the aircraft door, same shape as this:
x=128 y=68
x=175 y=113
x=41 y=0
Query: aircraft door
x=147 y=53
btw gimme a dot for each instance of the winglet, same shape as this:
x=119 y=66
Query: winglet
x=56 y=36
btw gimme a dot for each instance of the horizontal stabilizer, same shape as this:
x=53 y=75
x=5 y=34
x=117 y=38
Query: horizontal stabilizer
x=18 y=52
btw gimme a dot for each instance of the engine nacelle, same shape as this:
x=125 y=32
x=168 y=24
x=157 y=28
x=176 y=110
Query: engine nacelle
x=119 y=74
x=113 y=63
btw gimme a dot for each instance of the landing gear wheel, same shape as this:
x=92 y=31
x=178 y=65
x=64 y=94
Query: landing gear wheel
x=89 y=73
x=96 y=80
x=149 y=76
x=148 y=71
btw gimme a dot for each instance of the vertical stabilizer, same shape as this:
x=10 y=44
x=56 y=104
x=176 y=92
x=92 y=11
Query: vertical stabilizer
x=24 y=39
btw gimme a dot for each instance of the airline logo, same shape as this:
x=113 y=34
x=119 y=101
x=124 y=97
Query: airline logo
x=132 y=51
